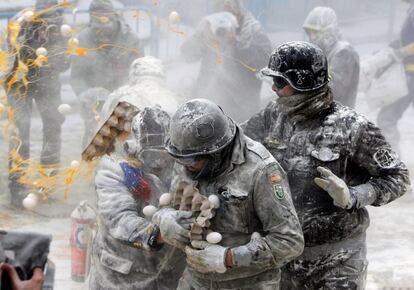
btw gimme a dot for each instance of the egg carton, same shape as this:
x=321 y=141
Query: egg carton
x=188 y=198
x=112 y=125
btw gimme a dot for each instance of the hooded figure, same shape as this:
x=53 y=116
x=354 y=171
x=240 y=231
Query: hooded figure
x=40 y=83
x=231 y=46
x=337 y=162
x=321 y=26
x=114 y=47
x=126 y=252
x=147 y=85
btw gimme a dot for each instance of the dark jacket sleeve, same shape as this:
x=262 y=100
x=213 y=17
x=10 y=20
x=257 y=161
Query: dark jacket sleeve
x=283 y=239
x=344 y=72
x=389 y=176
x=117 y=207
x=256 y=126
x=254 y=53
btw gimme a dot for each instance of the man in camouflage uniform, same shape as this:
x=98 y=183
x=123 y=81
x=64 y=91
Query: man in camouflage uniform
x=337 y=164
x=43 y=87
x=105 y=67
x=126 y=254
x=230 y=58
x=256 y=216
x=321 y=26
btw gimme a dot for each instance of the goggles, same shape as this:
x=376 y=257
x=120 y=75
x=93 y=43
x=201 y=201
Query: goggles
x=279 y=82
x=187 y=161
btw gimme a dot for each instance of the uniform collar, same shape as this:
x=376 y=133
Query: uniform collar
x=239 y=148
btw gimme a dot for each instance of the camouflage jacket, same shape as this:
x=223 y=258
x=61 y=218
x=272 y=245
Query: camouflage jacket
x=254 y=197
x=340 y=139
x=344 y=72
x=107 y=65
x=121 y=255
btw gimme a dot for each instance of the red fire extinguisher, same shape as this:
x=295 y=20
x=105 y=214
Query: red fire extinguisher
x=83 y=220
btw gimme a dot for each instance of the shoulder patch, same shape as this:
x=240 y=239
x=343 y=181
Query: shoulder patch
x=275 y=178
x=385 y=158
x=279 y=191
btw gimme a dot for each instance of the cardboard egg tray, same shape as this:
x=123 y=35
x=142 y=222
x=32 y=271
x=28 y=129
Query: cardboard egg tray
x=189 y=198
x=113 y=124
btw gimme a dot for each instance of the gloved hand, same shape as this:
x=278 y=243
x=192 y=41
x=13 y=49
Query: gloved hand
x=336 y=188
x=174 y=226
x=206 y=257
x=404 y=51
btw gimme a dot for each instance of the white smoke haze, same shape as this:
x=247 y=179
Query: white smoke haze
x=164 y=28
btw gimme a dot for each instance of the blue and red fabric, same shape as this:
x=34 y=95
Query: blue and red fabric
x=136 y=182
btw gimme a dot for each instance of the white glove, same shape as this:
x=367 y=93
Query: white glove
x=174 y=226
x=206 y=257
x=336 y=188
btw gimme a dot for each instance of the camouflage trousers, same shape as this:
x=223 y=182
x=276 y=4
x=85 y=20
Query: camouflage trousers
x=335 y=266
x=269 y=280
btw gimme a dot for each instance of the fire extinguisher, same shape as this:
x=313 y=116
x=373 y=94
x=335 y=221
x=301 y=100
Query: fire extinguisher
x=83 y=221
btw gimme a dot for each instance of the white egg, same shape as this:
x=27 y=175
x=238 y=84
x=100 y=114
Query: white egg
x=28 y=15
x=165 y=199
x=30 y=202
x=149 y=210
x=73 y=41
x=174 y=17
x=64 y=109
x=33 y=195
x=214 y=200
x=255 y=235
x=74 y=164
x=214 y=238
x=41 y=51
x=66 y=30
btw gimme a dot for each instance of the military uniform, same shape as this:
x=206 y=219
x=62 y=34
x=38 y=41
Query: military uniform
x=310 y=134
x=255 y=197
x=354 y=149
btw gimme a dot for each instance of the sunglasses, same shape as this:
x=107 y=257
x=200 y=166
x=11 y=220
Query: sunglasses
x=280 y=82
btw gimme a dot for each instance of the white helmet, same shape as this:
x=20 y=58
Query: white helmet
x=324 y=23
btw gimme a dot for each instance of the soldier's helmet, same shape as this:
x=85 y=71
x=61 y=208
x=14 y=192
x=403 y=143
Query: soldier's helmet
x=301 y=64
x=199 y=127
